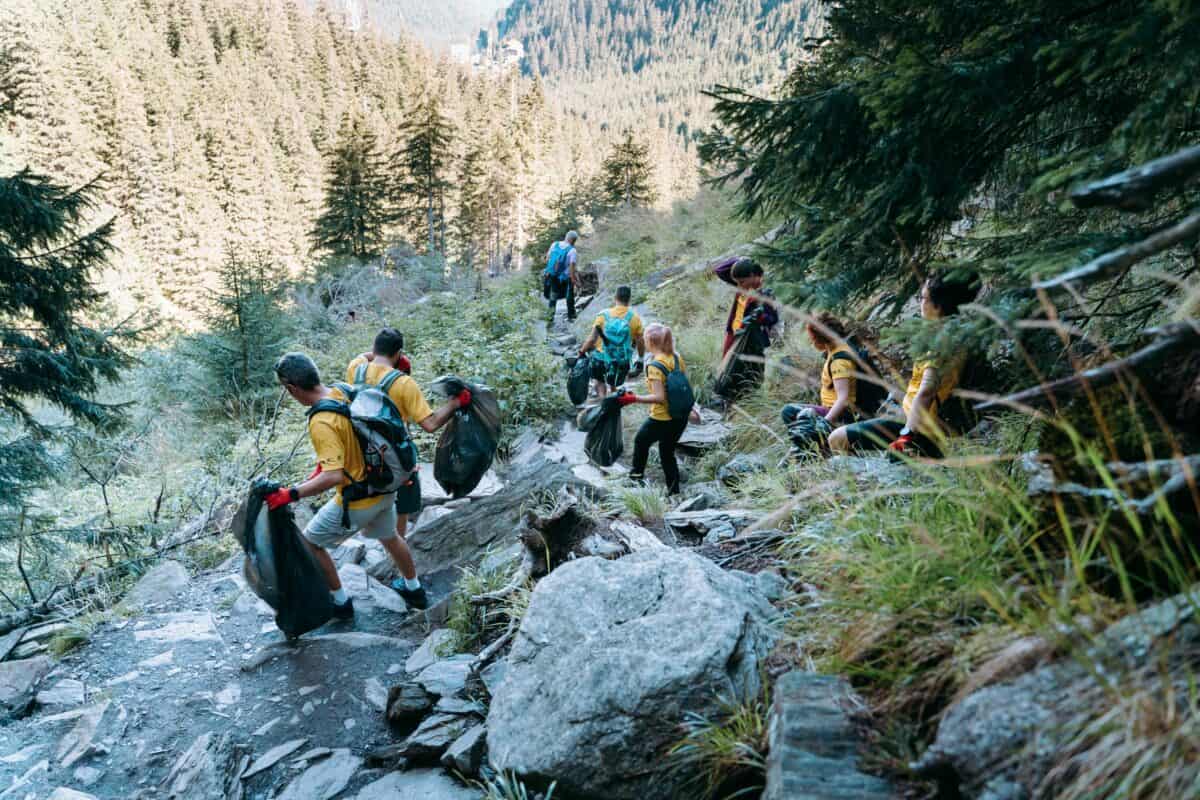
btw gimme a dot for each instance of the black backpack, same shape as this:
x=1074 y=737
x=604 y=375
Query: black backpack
x=868 y=394
x=680 y=397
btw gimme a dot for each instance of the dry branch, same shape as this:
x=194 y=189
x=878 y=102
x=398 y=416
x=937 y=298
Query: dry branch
x=1125 y=257
x=1175 y=337
x=1134 y=188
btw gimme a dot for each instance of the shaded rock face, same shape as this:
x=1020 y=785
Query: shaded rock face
x=159 y=585
x=19 y=681
x=609 y=658
x=1003 y=740
x=741 y=467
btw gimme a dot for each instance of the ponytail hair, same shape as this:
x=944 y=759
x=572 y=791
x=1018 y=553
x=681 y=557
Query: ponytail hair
x=660 y=338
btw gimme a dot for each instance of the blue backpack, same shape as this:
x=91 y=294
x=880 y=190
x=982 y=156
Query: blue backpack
x=558 y=263
x=618 y=338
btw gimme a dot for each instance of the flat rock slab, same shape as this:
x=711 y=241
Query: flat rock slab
x=447 y=677
x=435 y=733
x=706 y=434
x=182 y=626
x=324 y=779
x=273 y=757
x=427 y=654
x=67 y=692
x=417 y=784
x=165 y=580
x=701 y=523
x=19 y=681
x=814 y=746
x=65 y=793
x=467 y=752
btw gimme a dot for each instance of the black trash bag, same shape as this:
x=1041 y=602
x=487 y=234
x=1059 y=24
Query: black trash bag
x=810 y=431
x=743 y=367
x=279 y=567
x=579 y=377
x=605 y=442
x=468 y=442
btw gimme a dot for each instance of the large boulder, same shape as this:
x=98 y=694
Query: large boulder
x=610 y=657
x=19 y=681
x=165 y=580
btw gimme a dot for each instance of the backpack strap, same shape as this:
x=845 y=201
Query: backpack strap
x=394 y=375
x=332 y=406
x=629 y=316
x=360 y=374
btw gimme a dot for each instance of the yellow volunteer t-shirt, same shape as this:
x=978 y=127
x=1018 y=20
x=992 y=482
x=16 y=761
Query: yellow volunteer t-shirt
x=404 y=391
x=739 y=312
x=836 y=369
x=337 y=448
x=655 y=374
x=635 y=326
x=947 y=379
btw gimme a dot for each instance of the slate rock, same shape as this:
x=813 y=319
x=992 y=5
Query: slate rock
x=435 y=733
x=19 y=681
x=448 y=676
x=67 y=693
x=493 y=674
x=324 y=779
x=165 y=580
x=609 y=658
x=466 y=754
x=417 y=784
x=407 y=704
x=741 y=467
x=65 y=793
x=428 y=653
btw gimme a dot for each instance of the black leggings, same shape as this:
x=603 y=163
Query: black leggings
x=877 y=434
x=666 y=434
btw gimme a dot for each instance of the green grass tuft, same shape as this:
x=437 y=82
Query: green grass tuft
x=726 y=755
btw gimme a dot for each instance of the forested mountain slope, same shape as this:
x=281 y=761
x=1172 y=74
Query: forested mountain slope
x=433 y=24
x=644 y=63
x=209 y=120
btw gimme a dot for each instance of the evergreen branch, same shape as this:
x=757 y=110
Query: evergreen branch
x=1125 y=257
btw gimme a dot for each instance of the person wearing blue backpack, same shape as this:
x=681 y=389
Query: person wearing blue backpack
x=559 y=279
x=615 y=334
x=672 y=405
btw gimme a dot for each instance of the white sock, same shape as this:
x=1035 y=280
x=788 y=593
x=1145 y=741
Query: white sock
x=340 y=597
x=412 y=584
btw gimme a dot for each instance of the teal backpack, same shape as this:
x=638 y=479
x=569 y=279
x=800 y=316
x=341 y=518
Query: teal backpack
x=618 y=338
x=558 y=263
x=680 y=397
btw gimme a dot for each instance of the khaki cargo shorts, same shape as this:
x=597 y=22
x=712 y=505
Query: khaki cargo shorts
x=376 y=522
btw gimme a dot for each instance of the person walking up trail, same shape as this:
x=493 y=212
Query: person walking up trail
x=748 y=277
x=387 y=367
x=615 y=334
x=560 y=279
x=672 y=405
x=932 y=382
x=340 y=466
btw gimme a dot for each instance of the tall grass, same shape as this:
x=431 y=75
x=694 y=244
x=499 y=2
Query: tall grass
x=726 y=754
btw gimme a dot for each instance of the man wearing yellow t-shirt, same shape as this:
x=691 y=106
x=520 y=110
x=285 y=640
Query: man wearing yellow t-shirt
x=383 y=367
x=339 y=463
x=615 y=334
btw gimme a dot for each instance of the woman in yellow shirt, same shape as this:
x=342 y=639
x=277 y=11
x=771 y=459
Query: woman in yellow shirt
x=838 y=382
x=659 y=428
x=931 y=384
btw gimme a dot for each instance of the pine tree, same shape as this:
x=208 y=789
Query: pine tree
x=423 y=166
x=627 y=173
x=49 y=258
x=247 y=331
x=356 y=211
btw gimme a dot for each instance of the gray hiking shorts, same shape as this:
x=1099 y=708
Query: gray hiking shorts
x=377 y=522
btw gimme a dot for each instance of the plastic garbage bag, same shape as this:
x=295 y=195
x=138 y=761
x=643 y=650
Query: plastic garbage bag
x=605 y=442
x=743 y=367
x=809 y=431
x=468 y=442
x=279 y=567
x=579 y=376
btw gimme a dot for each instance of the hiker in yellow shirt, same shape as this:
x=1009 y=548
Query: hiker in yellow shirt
x=660 y=428
x=839 y=384
x=384 y=367
x=339 y=464
x=931 y=384
x=614 y=335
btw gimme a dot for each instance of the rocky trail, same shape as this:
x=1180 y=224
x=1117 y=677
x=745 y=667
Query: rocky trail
x=188 y=690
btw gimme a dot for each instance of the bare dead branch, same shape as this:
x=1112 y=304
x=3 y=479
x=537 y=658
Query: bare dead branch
x=1135 y=188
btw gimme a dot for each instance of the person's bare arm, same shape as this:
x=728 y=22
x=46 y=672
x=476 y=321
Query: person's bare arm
x=919 y=411
x=842 y=387
x=321 y=482
x=440 y=417
x=657 y=393
x=590 y=342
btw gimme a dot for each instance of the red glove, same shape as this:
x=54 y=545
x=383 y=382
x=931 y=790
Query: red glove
x=314 y=473
x=281 y=497
x=463 y=398
x=626 y=399
x=902 y=444
x=404 y=365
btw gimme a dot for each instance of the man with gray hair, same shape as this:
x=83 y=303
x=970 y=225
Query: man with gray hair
x=340 y=463
x=559 y=279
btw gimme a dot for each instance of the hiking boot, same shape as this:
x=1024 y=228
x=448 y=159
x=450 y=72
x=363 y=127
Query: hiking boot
x=345 y=610
x=413 y=598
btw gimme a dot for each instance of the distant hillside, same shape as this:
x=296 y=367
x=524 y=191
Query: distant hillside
x=209 y=120
x=643 y=63
x=434 y=24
